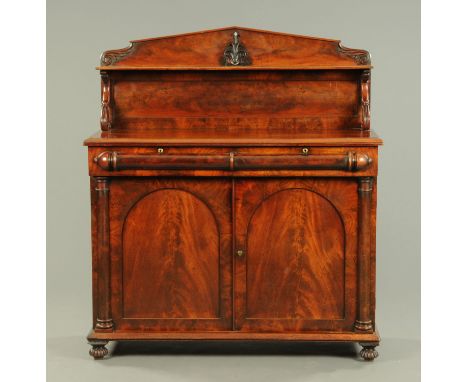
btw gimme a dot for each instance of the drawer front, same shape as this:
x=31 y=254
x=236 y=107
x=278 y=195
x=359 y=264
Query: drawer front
x=294 y=161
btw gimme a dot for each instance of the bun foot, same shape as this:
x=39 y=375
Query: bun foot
x=98 y=349
x=368 y=352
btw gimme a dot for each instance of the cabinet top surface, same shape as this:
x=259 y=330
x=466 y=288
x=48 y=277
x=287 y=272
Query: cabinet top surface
x=235 y=48
x=213 y=137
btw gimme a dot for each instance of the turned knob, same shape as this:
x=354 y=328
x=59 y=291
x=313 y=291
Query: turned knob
x=106 y=160
x=358 y=161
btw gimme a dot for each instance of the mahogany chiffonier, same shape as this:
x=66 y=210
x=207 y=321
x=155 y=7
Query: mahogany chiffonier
x=233 y=191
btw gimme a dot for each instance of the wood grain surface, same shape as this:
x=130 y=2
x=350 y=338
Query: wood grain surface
x=236 y=336
x=300 y=247
x=170 y=266
x=244 y=97
x=204 y=50
x=246 y=161
x=252 y=100
x=295 y=263
x=171 y=243
x=295 y=132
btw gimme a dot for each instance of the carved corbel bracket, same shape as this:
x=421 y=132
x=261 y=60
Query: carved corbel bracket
x=106 y=108
x=365 y=100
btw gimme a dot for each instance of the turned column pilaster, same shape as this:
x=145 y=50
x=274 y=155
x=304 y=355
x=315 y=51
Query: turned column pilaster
x=104 y=317
x=364 y=320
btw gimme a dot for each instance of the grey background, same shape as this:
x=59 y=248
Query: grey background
x=78 y=31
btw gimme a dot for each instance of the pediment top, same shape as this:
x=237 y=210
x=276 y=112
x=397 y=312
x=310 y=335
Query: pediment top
x=234 y=48
x=234 y=28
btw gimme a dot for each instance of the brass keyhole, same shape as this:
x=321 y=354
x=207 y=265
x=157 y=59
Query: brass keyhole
x=160 y=150
x=240 y=253
x=305 y=151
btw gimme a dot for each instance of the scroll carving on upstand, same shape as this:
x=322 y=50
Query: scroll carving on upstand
x=360 y=56
x=235 y=54
x=111 y=57
x=106 y=107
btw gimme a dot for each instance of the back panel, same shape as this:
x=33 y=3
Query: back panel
x=296 y=100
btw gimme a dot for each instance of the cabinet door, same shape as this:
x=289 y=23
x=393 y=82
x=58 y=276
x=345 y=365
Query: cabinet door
x=171 y=245
x=295 y=263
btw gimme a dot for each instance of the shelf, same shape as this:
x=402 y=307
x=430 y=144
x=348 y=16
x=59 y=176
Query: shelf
x=231 y=68
x=213 y=137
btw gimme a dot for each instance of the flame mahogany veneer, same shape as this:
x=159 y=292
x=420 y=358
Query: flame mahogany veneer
x=234 y=191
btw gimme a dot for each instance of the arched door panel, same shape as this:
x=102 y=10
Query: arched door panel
x=170 y=266
x=295 y=256
x=171 y=246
